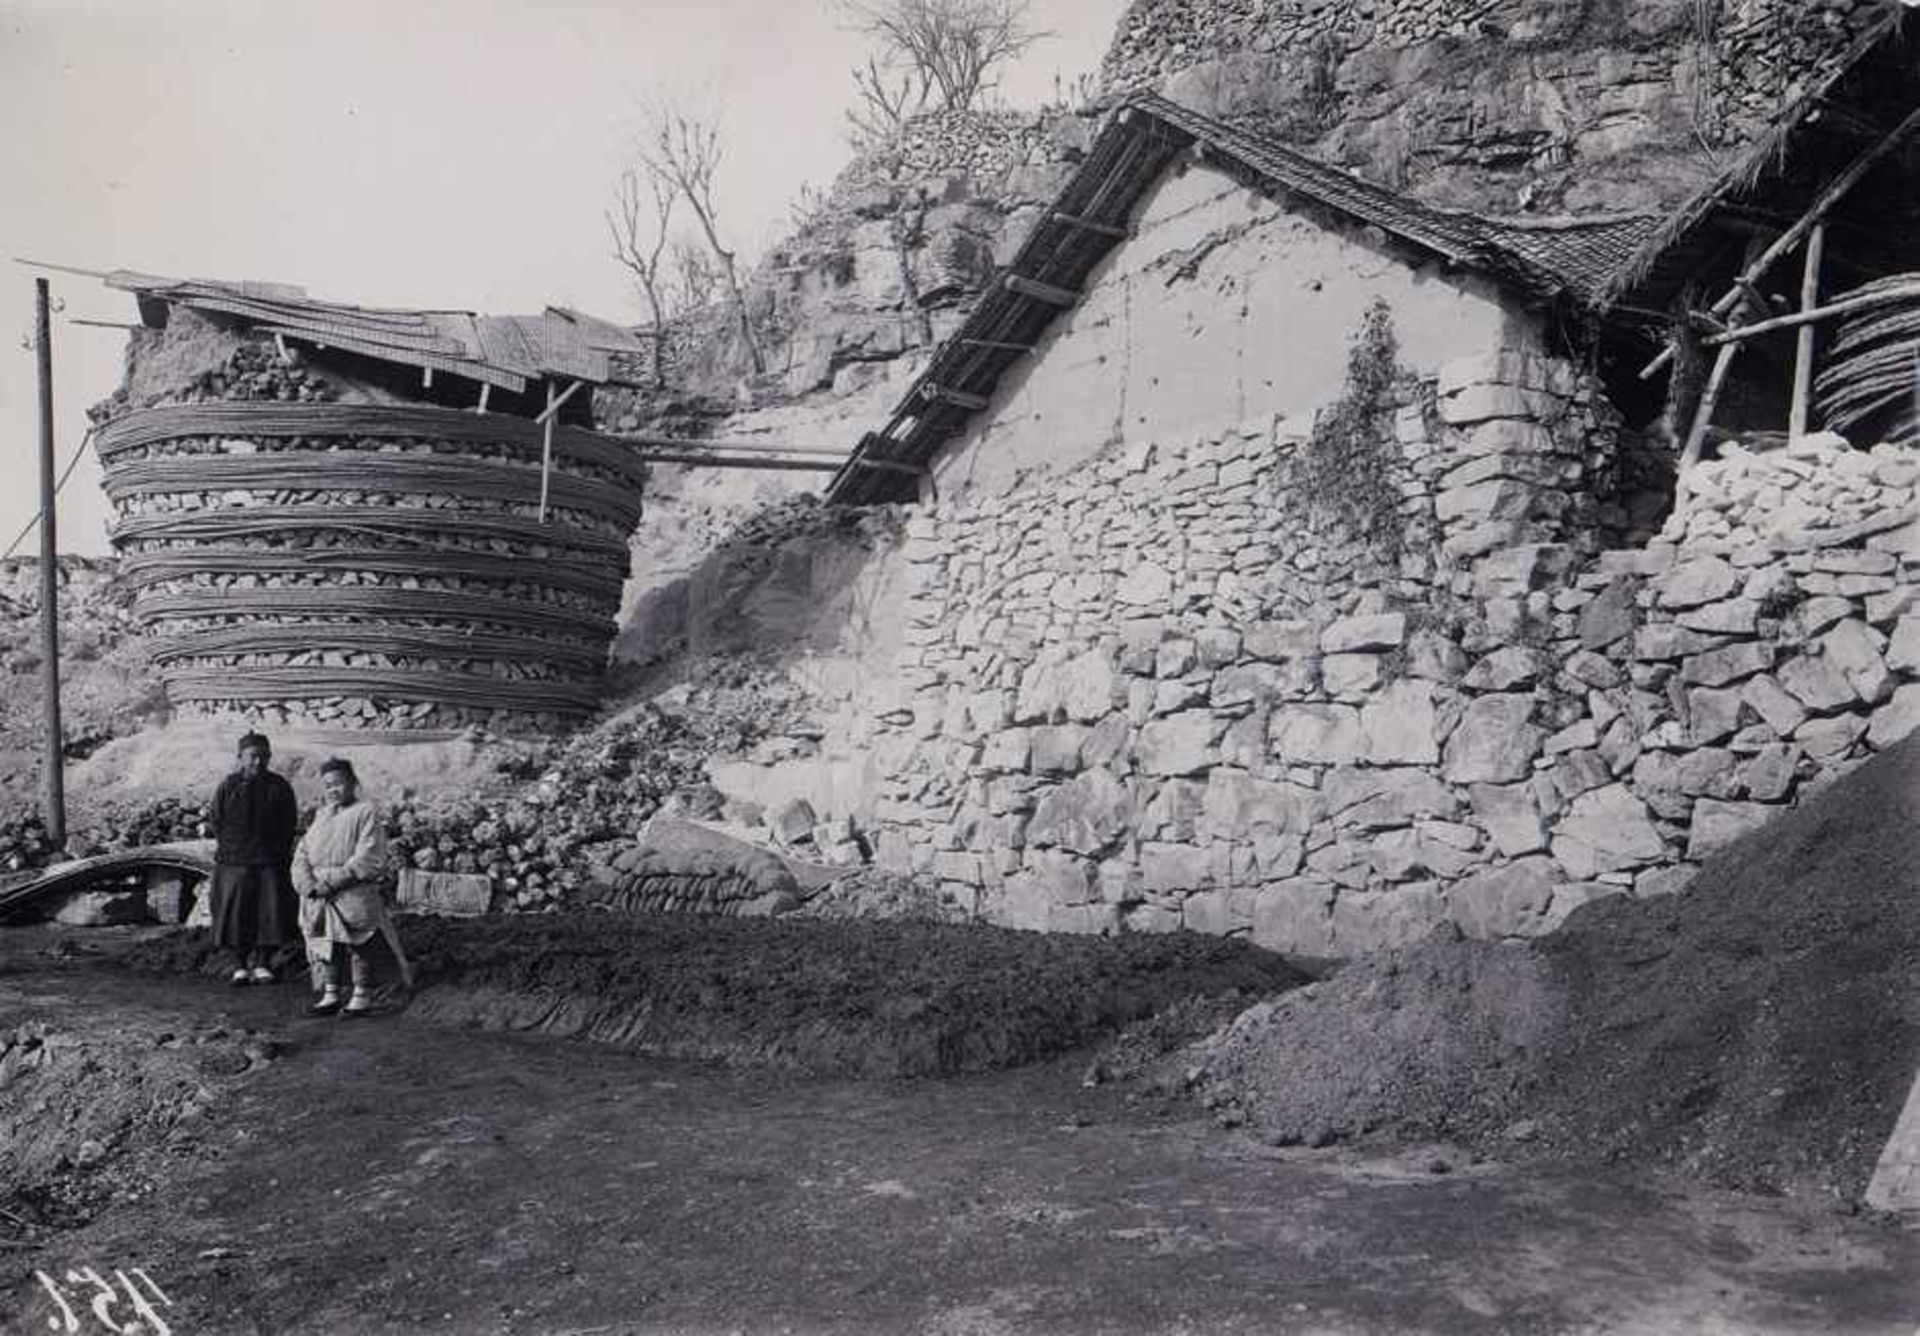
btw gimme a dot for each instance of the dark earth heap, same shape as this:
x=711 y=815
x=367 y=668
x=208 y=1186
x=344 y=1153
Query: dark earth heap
x=1758 y=1031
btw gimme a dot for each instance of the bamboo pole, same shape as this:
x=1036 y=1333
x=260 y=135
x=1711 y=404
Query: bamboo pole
x=546 y=450
x=1798 y=319
x=1787 y=240
x=54 y=778
x=1803 y=350
x=1702 y=416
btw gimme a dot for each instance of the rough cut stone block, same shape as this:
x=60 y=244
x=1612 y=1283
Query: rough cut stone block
x=1324 y=734
x=1829 y=740
x=168 y=899
x=1717 y=824
x=1503 y=902
x=1382 y=920
x=1609 y=616
x=1085 y=815
x=1350 y=674
x=1495 y=741
x=1377 y=631
x=1295 y=916
x=1701 y=580
x=454 y=893
x=1713 y=714
x=1816 y=684
x=1510 y=817
x=1384 y=798
x=1897 y=718
x=1781 y=710
x=1280 y=641
x=1503 y=670
x=1180 y=744
x=1606 y=830
x=1238 y=805
x=1718 y=667
x=1732 y=617
x=1398 y=726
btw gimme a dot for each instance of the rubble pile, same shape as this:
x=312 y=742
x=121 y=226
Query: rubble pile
x=584 y=800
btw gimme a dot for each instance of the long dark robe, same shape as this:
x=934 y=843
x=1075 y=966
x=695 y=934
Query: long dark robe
x=254 y=822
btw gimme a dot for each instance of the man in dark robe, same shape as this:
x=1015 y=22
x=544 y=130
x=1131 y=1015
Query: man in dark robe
x=255 y=911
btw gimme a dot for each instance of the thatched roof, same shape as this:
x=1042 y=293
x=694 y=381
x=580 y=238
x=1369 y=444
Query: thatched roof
x=1866 y=93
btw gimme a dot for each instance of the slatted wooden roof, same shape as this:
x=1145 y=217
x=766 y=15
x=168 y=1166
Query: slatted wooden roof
x=1567 y=260
x=508 y=351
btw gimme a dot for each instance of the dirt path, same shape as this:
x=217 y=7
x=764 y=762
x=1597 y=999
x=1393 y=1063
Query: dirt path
x=389 y=1176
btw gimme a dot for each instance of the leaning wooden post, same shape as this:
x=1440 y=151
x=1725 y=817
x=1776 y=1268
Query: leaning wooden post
x=54 y=778
x=1803 y=350
x=546 y=452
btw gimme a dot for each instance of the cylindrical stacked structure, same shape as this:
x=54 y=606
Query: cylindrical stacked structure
x=372 y=566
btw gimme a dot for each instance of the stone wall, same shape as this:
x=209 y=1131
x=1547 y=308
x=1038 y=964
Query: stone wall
x=1168 y=690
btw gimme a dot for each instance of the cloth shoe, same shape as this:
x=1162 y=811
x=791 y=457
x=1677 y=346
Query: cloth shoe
x=240 y=978
x=359 y=1005
x=260 y=974
x=328 y=1003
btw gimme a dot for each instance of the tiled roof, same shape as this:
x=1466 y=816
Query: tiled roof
x=1564 y=260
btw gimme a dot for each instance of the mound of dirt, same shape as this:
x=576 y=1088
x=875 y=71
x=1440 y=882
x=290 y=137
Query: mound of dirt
x=73 y=1103
x=1759 y=1031
x=825 y=997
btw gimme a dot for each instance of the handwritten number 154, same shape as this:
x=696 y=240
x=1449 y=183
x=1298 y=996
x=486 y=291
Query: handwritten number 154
x=106 y=1299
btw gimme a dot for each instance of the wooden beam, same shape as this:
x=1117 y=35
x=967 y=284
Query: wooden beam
x=1089 y=225
x=546 y=451
x=1836 y=191
x=555 y=405
x=933 y=391
x=102 y=324
x=886 y=466
x=1883 y=297
x=486 y=388
x=1702 y=418
x=1034 y=288
x=426 y=377
x=998 y=343
x=1803 y=352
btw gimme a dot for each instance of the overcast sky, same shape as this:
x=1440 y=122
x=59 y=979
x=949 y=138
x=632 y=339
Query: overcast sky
x=450 y=153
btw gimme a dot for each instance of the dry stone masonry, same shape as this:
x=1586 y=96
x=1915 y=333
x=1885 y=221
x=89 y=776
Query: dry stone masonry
x=1168 y=691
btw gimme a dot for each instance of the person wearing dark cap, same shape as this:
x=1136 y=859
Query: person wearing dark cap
x=254 y=820
x=339 y=868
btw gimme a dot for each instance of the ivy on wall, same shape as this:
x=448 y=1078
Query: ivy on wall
x=1349 y=463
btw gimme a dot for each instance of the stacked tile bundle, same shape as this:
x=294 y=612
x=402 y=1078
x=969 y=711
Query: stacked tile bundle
x=367 y=565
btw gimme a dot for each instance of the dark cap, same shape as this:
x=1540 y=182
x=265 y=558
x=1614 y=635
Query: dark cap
x=335 y=765
x=254 y=742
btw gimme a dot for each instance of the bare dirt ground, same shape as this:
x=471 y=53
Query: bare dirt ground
x=393 y=1176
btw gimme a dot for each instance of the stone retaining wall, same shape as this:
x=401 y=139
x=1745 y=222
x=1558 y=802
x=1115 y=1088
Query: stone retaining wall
x=1165 y=691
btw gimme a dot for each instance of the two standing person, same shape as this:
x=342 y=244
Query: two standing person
x=269 y=892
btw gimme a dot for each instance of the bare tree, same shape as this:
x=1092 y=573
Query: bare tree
x=945 y=51
x=683 y=147
x=885 y=106
x=640 y=245
x=691 y=275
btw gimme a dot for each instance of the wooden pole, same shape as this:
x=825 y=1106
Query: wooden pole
x=1803 y=351
x=1882 y=297
x=1787 y=240
x=546 y=452
x=53 y=779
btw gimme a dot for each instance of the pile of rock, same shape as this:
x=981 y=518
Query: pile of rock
x=589 y=798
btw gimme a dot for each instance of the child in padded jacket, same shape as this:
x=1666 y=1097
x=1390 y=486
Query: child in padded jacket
x=338 y=867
